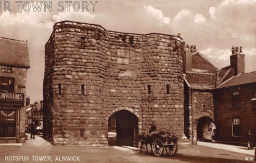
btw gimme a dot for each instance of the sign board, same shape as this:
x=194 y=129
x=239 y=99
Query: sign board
x=21 y=86
x=11 y=96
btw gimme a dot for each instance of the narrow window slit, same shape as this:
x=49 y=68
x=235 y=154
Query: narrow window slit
x=59 y=89
x=149 y=89
x=168 y=89
x=82 y=89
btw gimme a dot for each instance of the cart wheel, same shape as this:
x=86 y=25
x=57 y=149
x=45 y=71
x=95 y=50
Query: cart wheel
x=171 y=150
x=157 y=147
x=143 y=148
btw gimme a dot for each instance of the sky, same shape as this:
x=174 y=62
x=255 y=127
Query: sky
x=214 y=26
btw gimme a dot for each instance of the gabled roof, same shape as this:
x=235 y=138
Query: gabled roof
x=14 y=53
x=224 y=74
x=201 y=62
x=239 y=80
x=197 y=80
x=203 y=75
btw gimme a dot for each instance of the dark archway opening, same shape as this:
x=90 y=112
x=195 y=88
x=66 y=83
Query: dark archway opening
x=123 y=129
x=205 y=129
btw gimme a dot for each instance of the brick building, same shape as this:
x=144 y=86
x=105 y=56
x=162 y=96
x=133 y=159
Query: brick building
x=200 y=82
x=14 y=63
x=234 y=111
x=219 y=99
x=34 y=114
x=92 y=74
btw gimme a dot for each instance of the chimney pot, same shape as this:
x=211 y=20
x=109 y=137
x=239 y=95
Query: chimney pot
x=233 y=50
x=241 y=49
x=237 y=61
x=179 y=34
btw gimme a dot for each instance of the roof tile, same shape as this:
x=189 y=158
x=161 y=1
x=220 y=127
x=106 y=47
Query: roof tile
x=14 y=53
x=240 y=79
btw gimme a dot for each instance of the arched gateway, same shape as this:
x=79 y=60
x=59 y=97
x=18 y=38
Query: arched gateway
x=205 y=129
x=92 y=74
x=124 y=128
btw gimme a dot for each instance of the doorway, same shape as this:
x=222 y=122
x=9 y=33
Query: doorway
x=205 y=128
x=123 y=129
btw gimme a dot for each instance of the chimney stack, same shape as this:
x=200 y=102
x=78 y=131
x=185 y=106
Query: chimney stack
x=237 y=60
x=187 y=58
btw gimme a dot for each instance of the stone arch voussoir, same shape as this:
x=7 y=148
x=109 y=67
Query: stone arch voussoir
x=132 y=110
x=111 y=112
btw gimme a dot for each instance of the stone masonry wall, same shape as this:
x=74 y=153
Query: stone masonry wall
x=203 y=106
x=116 y=70
x=48 y=89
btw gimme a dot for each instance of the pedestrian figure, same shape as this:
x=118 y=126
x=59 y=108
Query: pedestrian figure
x=33 y=128
x=152 y=128
x=249 y=139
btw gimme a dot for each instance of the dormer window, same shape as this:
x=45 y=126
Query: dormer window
x=6 y=69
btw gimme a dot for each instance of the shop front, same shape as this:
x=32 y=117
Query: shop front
x=10 y=107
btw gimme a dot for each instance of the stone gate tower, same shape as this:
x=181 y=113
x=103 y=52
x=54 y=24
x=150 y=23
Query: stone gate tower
x=92 y=74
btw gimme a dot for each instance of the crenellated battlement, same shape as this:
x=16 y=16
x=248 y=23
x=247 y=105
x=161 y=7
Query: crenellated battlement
x=83 y=26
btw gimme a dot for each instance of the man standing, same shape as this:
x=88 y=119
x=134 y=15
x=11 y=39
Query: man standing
x=249 y=139
x=152 y=128
x=32 y=131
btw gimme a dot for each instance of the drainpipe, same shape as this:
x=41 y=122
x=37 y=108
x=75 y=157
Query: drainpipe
x=192 y=117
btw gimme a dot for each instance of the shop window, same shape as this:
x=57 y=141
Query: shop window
x=7 y=123
x=6 y=69
x=7 y=84
x=235 y=98
x=236 y=127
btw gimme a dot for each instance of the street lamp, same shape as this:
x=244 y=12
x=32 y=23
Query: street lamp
x=253 y=100
x=34 y=108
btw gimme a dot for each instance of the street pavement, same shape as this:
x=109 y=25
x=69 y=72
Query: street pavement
x=33 y=150
x=232 y=148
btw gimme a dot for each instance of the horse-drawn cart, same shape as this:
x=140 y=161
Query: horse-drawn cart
x=159 y=142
